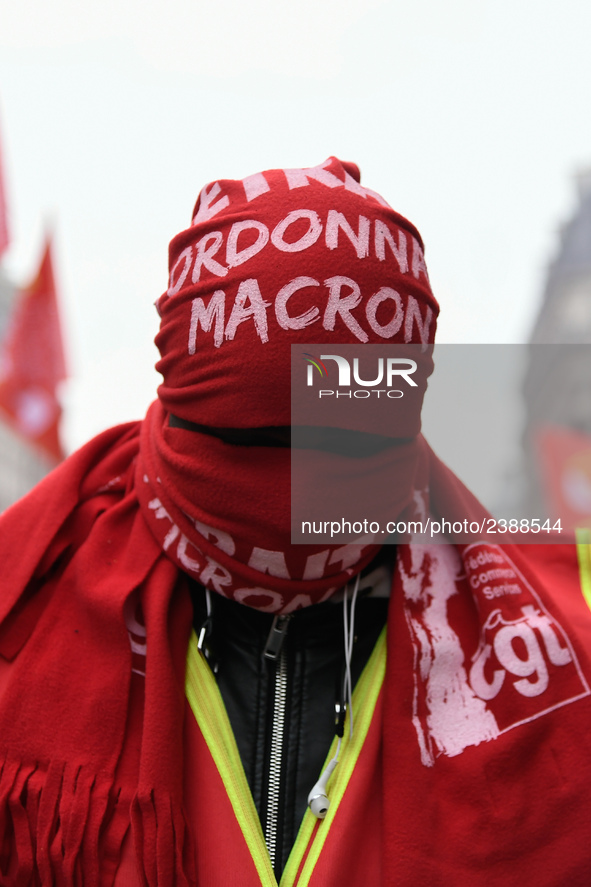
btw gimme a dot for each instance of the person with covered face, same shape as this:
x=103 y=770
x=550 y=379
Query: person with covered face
x=188 y=698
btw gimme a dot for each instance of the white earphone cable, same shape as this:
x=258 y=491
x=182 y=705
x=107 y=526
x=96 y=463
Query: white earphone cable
x=349 y=633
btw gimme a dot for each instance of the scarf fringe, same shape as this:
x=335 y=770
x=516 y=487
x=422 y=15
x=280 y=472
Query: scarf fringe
x=57 y=822
x=159 y=823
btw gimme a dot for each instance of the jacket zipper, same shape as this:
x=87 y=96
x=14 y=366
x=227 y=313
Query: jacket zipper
x=275 y=652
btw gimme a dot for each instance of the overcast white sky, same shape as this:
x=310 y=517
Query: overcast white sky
x=469 y=117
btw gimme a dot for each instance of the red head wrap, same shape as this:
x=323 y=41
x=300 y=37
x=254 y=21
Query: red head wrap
x=281 y=257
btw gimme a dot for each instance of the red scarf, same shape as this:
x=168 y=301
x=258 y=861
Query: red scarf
x=64 y=715
x=282 y=257
x=195 y=491
x=289 y=255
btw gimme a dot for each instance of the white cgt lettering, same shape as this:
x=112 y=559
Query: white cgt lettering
x=532 y=664
x=482 y=687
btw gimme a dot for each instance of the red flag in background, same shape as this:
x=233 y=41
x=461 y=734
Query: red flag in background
x=565 y=460
x=32 y=362
x=4 y=238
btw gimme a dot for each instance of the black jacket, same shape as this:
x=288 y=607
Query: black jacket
x=280 y=688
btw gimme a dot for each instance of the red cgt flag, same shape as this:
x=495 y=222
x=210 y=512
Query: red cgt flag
x=565 y=461
x=32 y=362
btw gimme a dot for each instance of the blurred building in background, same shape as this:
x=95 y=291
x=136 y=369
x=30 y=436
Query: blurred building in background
x=557 y=388
x=565 y=311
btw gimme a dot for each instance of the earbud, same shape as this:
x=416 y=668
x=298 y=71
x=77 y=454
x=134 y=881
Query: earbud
x=317 y=799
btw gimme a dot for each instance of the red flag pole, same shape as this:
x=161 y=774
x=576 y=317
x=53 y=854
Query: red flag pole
x=32 y=362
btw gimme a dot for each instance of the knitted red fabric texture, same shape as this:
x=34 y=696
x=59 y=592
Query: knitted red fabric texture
x=280 y=258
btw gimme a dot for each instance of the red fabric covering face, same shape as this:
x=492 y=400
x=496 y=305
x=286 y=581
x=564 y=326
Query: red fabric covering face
x=284 y=256
x=281 y=257
x=221 y=513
